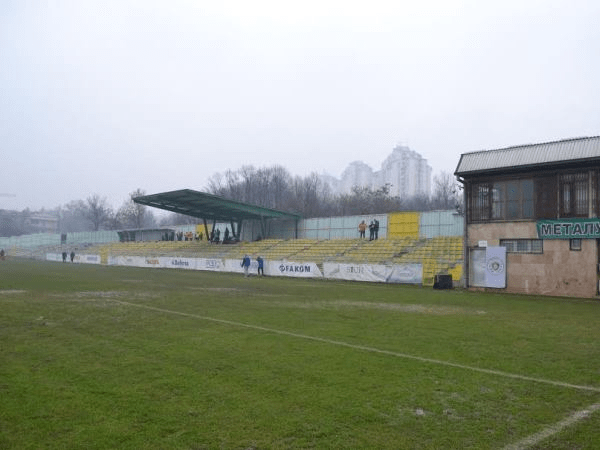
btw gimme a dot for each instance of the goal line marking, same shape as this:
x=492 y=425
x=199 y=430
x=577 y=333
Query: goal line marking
x=368 y=349
x=553 y=429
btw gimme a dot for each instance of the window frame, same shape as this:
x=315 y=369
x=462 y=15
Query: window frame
x=502 y=200
x=523 y=246
x=574 y=194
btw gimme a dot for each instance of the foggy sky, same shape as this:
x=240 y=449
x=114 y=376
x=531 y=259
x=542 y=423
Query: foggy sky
x=107 y=97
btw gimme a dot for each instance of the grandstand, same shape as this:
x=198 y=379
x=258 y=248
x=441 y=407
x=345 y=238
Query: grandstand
x=407 y=241
x=437 y=255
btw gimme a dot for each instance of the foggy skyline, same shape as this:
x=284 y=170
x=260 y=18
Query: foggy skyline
x=107 y=97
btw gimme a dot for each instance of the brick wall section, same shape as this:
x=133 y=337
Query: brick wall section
x=559 y=271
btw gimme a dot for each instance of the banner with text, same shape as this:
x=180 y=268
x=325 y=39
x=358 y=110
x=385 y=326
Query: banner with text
x=134 y=261
x=569 y=229
x=79 y=259
x=293 y=269
x=212 y=264
x=168 y=262
x=276 y=268
x=398 y=273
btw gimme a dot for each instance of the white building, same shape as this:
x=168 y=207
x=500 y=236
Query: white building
x=406 y=171
x=356 y=174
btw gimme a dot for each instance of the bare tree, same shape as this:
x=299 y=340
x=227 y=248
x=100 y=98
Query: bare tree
x=72 y=217
x=97 y=211
x=446 y=192
x=12 y=223
x=178 y=219
x=134 y=215
x=274 y=187
x=216 y=185
x=365 y=200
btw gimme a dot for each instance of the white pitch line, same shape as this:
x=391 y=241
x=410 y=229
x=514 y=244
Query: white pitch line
x=370 y=349
x=553 y=429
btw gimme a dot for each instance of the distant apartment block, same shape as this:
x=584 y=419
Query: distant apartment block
x=41 y=223
x=406 y=171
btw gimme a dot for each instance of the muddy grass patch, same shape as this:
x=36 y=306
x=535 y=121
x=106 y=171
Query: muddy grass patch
x=411 y=308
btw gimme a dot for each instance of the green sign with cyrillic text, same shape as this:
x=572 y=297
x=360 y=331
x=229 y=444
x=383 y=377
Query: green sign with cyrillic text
x=569 y=229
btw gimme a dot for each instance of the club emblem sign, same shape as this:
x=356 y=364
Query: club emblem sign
x=495 y=265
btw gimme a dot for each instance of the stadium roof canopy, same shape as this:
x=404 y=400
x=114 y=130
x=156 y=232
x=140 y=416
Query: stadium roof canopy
x=210 y=207
x=579 y=151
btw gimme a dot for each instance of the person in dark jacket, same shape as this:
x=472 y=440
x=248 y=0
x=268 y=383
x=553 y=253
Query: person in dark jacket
x=261 y=266
x=246 y=264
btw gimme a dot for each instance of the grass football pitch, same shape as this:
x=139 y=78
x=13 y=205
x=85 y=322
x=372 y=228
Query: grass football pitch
x=103 y=357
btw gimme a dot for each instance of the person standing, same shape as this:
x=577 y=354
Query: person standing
x=246 y=264
x=371 y=230
x=376 y=228
x=362 y=227
x=72 y=255
x=64 y=255
x=261 y=266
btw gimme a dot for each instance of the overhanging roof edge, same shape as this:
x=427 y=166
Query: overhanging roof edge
x=204 y=205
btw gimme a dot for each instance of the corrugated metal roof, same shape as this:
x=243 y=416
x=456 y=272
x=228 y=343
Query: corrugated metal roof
x=528 y=155
x=208 y=206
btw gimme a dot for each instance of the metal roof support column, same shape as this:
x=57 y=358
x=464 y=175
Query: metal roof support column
x=206 y=228
x=239 y=229
x=466 y=212
x=263 y=227
x=235 y=234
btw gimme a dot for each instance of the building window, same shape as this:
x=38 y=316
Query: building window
x=573 y=189
x=575 y=244
x=523 y=245
x=480 y=202
x=502 y=200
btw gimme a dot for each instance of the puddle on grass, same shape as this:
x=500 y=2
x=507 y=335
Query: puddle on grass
x=99 y=294
x=217 y=289
x=411 y=308
x=11 y=291
x=105 y=295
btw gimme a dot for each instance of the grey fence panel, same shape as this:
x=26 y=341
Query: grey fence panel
x=441 y=223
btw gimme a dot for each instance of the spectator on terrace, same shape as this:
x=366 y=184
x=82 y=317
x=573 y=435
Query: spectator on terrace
x=226 y=238
x=376 y=228
x=371 y=230
x=362 y=227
